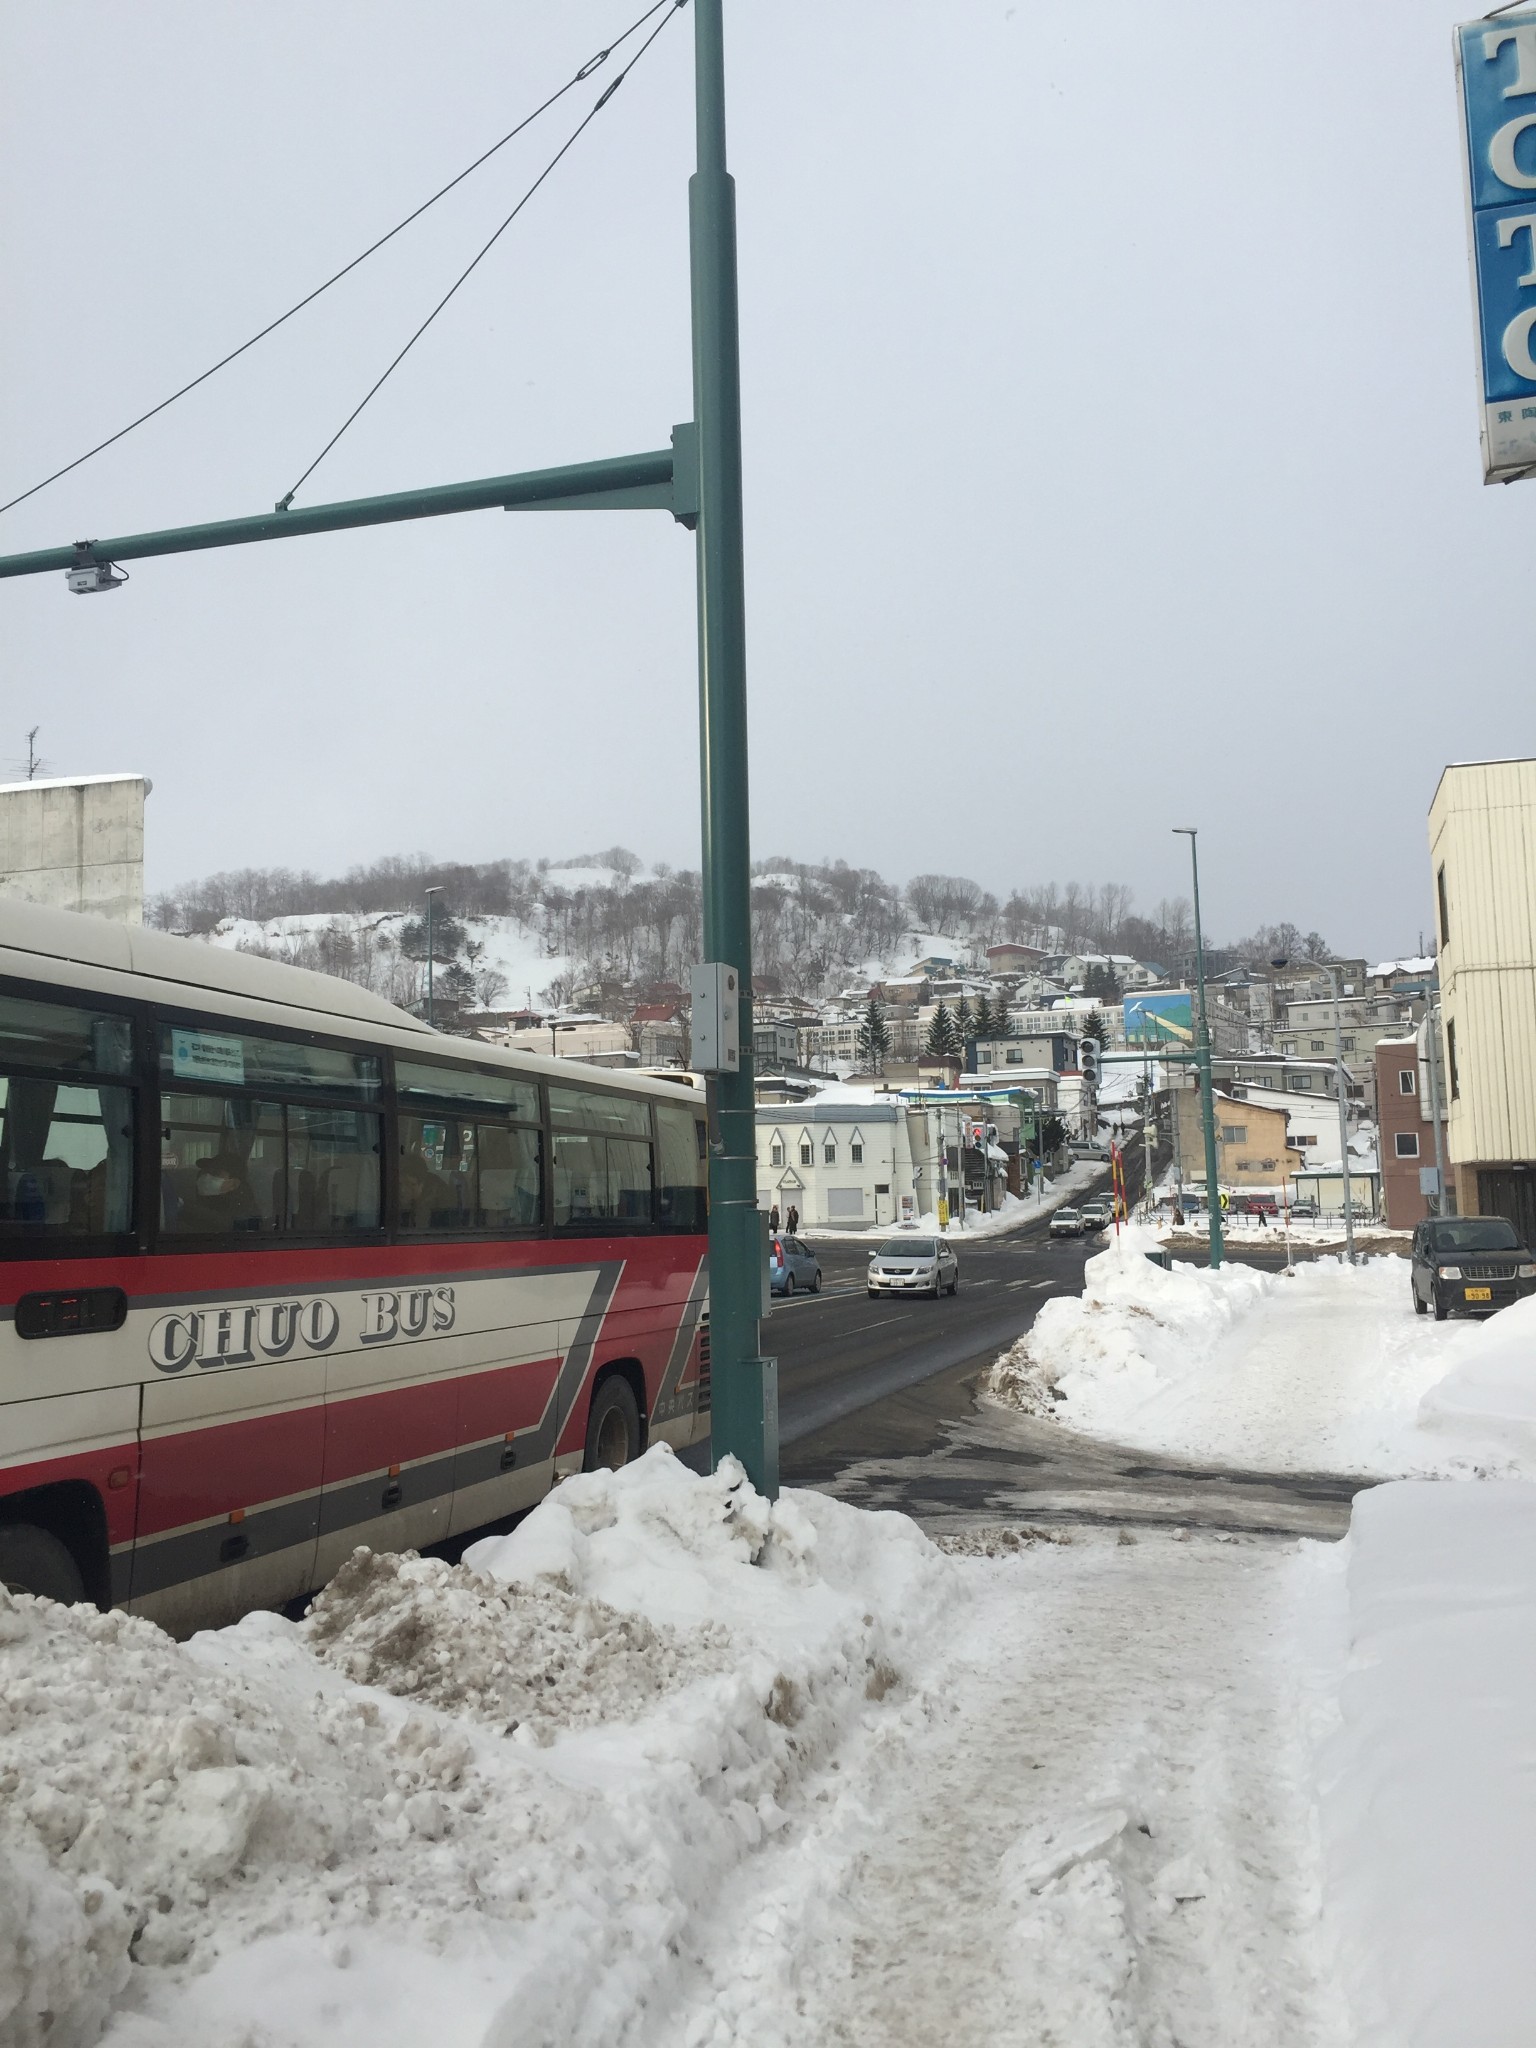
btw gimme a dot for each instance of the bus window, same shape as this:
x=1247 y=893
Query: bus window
x=603 y=1181
x=221 y=1165
x=333 y=1169
x=682 y=1169
x=66 y=1143
x=230 y=1164
x=516 y=1097
x=597 y=1110
x=511 y=1196
x=66 y=1158
x=277 y=1065
x=457 y=1176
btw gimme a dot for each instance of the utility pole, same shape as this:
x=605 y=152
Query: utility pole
x=745 y=1392
x=1341 y=1090
x=1203 y=1060
x=436 y=891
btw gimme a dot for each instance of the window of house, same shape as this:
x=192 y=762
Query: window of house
x=776 y=1151
x=1445 y=915
x=1407 y=1081
x=1234 y=1134
x=829 y=1151
x=1348 y=1044
x=807 y=1154
x=1302 y=1139
x=1450 y=1053
x=856 y=1153
x=1318 y=1045
x=1407 y=1143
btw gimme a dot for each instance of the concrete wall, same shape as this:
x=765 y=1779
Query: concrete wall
x=76 y=845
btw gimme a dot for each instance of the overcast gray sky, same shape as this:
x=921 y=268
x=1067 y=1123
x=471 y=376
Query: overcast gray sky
x=1111 y=438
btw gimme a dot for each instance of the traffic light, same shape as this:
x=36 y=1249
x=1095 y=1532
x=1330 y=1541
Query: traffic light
x=1088 y=1061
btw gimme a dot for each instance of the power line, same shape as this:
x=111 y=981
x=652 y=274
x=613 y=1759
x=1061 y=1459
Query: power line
x=591 y=115
x=592 y=64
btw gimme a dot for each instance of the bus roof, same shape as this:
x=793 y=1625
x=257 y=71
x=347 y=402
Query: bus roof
x=234 y=979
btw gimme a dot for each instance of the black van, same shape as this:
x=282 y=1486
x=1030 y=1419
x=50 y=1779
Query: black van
x=1469 y=1265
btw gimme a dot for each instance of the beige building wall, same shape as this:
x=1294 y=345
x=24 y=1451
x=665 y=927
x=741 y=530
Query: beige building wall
x=1251 y=1147
x=1482 y=839
x=76 y=845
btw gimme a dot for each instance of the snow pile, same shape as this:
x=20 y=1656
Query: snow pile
x=1322 y=1369
x=464 y=1803
x=1427 y=1794
x=1488 y=1398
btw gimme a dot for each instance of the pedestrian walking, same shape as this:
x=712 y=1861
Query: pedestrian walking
x=794 y=1219
x=773 y=1217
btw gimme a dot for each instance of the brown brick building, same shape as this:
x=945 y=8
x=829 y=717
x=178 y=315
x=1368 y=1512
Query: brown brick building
x=1407 y=1137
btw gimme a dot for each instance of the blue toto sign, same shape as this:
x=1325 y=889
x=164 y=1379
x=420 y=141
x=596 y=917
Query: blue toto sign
x=1496 y=62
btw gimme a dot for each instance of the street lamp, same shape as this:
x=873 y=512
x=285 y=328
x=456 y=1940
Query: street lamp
x=1203 y=1058
x=436 y=891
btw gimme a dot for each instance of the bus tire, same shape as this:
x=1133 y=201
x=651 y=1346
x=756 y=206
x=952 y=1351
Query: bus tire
x=613 y=1427
x=34 y=1560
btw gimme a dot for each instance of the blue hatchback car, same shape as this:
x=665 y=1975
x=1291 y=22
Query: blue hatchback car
x=791 y=1265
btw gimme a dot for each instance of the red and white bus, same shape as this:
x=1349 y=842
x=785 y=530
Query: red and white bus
x=282 y=1271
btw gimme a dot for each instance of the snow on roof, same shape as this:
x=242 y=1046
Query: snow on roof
x=71 y=782
x=1421 y=964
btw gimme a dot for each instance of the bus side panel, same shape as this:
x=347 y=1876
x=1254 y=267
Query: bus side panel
x=230 y=1492
x=75 y=1439
x=476 y=1321
x=504 y=1460
x=389 y=1441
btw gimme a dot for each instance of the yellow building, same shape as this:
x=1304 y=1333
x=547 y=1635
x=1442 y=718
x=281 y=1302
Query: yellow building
x=1252 y=1150
x=1482 y=840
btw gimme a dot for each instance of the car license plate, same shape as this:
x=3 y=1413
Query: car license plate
x=1479 y=1294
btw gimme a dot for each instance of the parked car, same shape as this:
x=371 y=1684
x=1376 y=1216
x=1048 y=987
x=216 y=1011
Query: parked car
x=1469 y=1266
x=1067 y=1223
x=1304 y=1211
x=1096 y=1216
x=1259 y=1205
x=792 y=1264
x=913 y=1265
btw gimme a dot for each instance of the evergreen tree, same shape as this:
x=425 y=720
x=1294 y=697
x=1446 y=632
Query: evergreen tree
x=874 y=1039
x=1092 y=1026
x=984 y=1023
x=943 y=1040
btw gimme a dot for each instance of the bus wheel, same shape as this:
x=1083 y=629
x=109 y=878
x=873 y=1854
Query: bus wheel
x=33 y=1560
x=613 y=1427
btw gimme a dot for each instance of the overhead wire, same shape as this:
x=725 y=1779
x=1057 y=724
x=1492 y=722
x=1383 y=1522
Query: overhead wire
x=586 y=121
x=592 y=64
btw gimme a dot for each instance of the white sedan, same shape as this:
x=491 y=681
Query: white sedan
x=913 y=1265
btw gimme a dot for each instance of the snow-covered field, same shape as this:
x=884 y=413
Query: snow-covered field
x=1323 y=1369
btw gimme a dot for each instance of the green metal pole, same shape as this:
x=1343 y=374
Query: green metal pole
x=744 y=1395
x=1203 y=1062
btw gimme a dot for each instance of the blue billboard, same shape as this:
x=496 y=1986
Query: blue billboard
x=1496 y=62
x=1164 y=1017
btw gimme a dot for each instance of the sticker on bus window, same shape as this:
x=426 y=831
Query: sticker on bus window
x=207 y=1056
